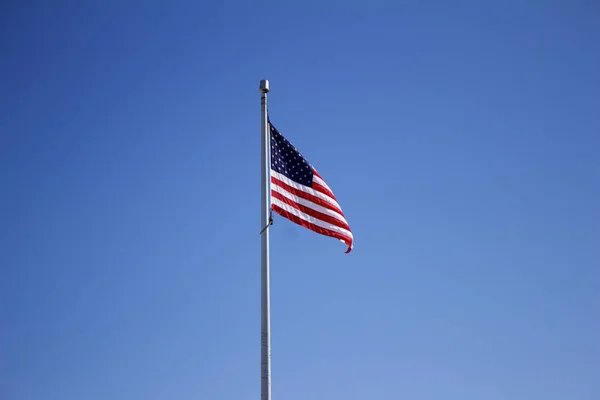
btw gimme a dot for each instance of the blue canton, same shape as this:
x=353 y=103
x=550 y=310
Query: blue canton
x=287 y=160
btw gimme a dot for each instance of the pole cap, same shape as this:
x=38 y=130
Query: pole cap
x=264 y=86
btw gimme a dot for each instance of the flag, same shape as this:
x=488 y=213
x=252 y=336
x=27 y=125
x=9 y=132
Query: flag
x=300 y=194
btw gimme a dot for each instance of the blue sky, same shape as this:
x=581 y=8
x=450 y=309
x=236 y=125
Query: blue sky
x=460 y=138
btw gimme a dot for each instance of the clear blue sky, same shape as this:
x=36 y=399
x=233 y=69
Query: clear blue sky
x=461 y=139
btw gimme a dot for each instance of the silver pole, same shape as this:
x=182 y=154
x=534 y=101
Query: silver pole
x=265 y=319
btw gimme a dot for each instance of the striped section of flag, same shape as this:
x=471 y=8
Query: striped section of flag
x=301 y=195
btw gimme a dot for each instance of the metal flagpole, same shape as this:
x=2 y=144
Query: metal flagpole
x=265 y=319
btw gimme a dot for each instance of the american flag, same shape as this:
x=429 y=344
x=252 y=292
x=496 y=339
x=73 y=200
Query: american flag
x=300 y=194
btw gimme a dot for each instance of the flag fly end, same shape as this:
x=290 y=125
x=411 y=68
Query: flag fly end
x=350 y=246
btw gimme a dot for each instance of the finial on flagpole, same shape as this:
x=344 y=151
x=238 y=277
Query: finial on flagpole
x=264 y=86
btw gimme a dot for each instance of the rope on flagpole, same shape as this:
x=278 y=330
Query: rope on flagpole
x=270 y=222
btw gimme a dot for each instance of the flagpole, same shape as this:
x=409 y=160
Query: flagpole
x=265 y=319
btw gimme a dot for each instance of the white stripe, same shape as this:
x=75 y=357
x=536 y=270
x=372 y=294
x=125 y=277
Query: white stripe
x=308 y=203
x=321 y=182
x=305 y=189
x=312 y=220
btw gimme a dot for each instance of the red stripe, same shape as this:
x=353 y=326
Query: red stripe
x=312 y=227
x=306 y=196
x=320 y=188
x=309 y=211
